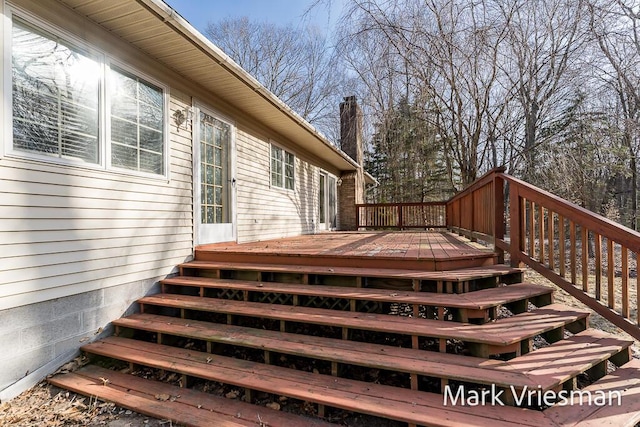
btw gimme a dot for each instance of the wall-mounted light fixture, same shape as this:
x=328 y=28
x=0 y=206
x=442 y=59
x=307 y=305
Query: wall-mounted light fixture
x=182 y=116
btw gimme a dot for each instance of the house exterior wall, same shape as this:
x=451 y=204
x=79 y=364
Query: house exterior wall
x=78 y=245
x=350 y=193
x=266 y=212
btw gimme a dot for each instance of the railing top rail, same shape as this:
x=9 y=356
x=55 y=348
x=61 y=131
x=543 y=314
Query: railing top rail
x=579 y=215
x=373 y=205
x=480 y=182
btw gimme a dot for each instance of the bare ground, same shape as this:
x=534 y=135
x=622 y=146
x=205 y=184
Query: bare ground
x=47 y=406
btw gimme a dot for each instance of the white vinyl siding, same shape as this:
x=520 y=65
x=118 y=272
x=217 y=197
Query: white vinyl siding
x=69 y=223
x=265 y=212
x=66 y=230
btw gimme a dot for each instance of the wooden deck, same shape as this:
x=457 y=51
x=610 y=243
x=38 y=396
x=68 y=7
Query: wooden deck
x=375 y=323
x=426 y=250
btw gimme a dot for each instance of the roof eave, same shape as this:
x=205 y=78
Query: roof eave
x=337 y=157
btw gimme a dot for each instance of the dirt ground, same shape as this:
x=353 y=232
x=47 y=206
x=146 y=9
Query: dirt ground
x=48 y=406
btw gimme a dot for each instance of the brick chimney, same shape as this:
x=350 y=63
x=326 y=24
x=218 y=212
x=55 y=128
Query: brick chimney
x=351 y=129
x=351 y=189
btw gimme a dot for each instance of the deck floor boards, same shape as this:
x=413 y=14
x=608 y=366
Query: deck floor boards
x=458 y=280
x=428 y=250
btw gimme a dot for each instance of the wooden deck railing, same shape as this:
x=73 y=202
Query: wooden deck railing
x=478 y=211
x=583 y=253
x=401 y=215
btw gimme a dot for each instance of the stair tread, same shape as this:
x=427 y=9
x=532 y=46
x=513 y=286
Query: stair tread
x=500 y=332
x=186 y=406
x=626 y=380
x=556 y=363
x=476 y=300
x=461 y=275
x=568 y=357
x=379 y=400
x=475 y=369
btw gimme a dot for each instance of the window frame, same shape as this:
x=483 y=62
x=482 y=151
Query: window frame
x=105 y=62
x=284 y=164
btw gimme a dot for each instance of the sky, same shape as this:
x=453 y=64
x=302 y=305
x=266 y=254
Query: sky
x=283 y=12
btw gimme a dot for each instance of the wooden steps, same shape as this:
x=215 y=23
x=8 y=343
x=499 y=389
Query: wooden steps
x=263 y=327
x=624 y=380
x=531 y=371
x=461 y=280
x=184 y=406
x=562 y=361
x=412 y=361
x=400 y=404
x=479 y=306
x=502 y=336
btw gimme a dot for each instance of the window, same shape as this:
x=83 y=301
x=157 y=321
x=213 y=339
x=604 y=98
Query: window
x=282 y=168
x=215 y=139
x=58 y=102
x=56 y=91
x=136 y=124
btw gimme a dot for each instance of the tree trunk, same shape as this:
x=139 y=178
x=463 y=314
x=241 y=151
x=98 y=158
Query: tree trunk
x=634 y=190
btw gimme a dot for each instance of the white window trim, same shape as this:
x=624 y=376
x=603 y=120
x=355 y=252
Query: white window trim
x=104 y=137
x=5 y=94
x=295 y=159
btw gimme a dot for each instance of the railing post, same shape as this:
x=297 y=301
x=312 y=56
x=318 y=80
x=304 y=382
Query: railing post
x=498 y=215
x=516 y=233
x=400 y=219
x=357 y=217
x=459 y=224
x=472 y=228
x=447 y=216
